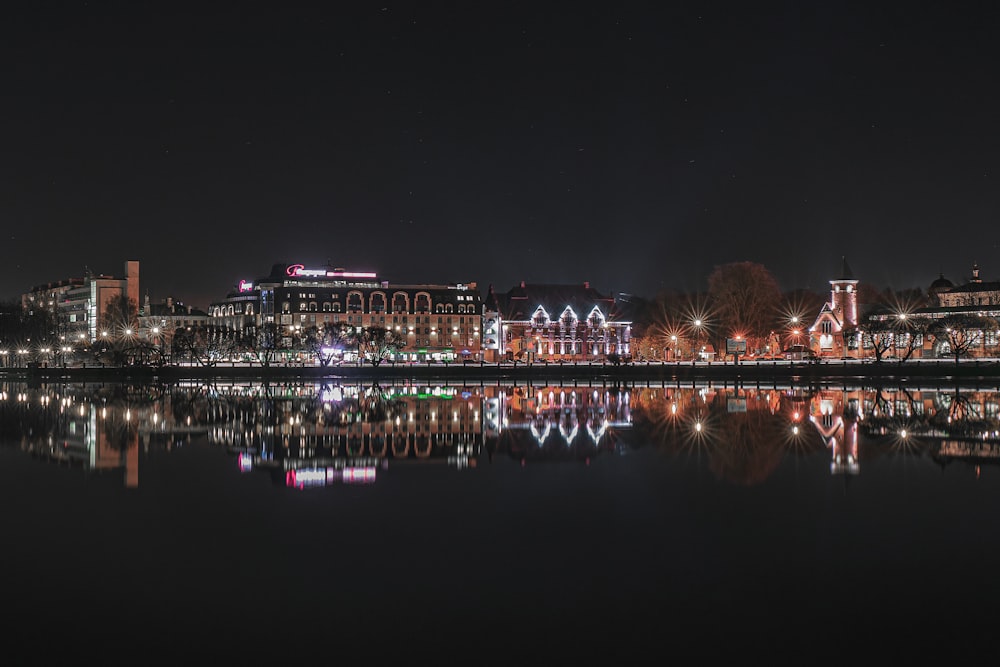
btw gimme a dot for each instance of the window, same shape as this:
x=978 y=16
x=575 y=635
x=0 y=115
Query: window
x=399 y=302
x=354 y=303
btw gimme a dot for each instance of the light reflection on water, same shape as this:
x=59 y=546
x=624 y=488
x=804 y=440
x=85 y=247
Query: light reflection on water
x=309 y=434
x=546 y=521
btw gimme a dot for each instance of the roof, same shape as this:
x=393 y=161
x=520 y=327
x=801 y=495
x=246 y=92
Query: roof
x=941 y=283
x=521 y=301
x=977 y=287
x=846 y=275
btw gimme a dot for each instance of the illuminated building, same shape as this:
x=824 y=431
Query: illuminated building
x=159 y=321
x=78 y=304
x=435 y=322
x=839 y=328
x=553 y=323
x=838 y=315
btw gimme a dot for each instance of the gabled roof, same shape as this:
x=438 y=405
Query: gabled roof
x=827 y=312
x=521 y=301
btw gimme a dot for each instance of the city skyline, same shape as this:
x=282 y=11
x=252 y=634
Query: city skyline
x=633 y=147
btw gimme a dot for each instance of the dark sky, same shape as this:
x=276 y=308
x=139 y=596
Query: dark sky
x=633 y=146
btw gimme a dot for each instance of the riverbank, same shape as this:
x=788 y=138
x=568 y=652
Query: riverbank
x=938 y=369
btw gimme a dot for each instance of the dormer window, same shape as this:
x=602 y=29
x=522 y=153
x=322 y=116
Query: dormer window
x=540 y=318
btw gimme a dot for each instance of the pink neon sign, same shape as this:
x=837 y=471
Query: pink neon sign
x=246 y=286
x=299 y=270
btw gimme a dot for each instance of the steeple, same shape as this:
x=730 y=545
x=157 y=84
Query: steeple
x=845 y=271
x=844 y=295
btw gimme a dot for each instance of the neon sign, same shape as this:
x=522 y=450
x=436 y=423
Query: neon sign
x=300 y=271
x=246 y=286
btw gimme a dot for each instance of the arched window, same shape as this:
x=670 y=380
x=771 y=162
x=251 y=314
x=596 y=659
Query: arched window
x=354 y=302
x=377 y=302
x=400 y=302
x=423 y=303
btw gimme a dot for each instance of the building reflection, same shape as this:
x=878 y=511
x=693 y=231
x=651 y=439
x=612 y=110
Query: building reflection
x=313 y=434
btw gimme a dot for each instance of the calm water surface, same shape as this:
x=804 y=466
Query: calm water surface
x=245 y=521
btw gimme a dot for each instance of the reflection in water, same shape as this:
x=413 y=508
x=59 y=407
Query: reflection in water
x=317 y=434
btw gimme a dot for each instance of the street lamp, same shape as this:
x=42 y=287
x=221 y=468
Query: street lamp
x=699 y=348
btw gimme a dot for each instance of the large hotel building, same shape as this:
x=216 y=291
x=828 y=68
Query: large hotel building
x=436 y=322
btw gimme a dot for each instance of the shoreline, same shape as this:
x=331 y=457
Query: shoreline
x=652 y=371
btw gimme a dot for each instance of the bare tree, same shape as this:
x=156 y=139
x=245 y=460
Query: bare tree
x=376 y=344
x=910 y=332
x=962 y=333
x=260 y=343
x=878 y=335
x=745 y=297
x=192 y=343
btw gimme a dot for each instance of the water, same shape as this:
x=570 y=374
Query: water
x=242 y=521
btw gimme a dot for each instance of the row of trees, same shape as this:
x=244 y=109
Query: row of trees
x=265 y=345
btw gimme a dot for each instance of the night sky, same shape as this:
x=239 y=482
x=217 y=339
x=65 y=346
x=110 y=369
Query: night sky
x=633 y=146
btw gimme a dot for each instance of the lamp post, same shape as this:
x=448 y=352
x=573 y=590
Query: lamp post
x=794 y=331
x=699 y=349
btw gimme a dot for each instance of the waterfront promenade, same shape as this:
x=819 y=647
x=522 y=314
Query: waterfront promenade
x=797 y=371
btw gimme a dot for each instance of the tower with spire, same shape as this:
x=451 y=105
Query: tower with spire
x=844 y=296
x=827 y=336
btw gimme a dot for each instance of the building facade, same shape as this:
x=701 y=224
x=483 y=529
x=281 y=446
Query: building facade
x=158 y=322
x=434 y=322
x=831 y=333
x=553 y=323
x=845 y=328
x=78 y=305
